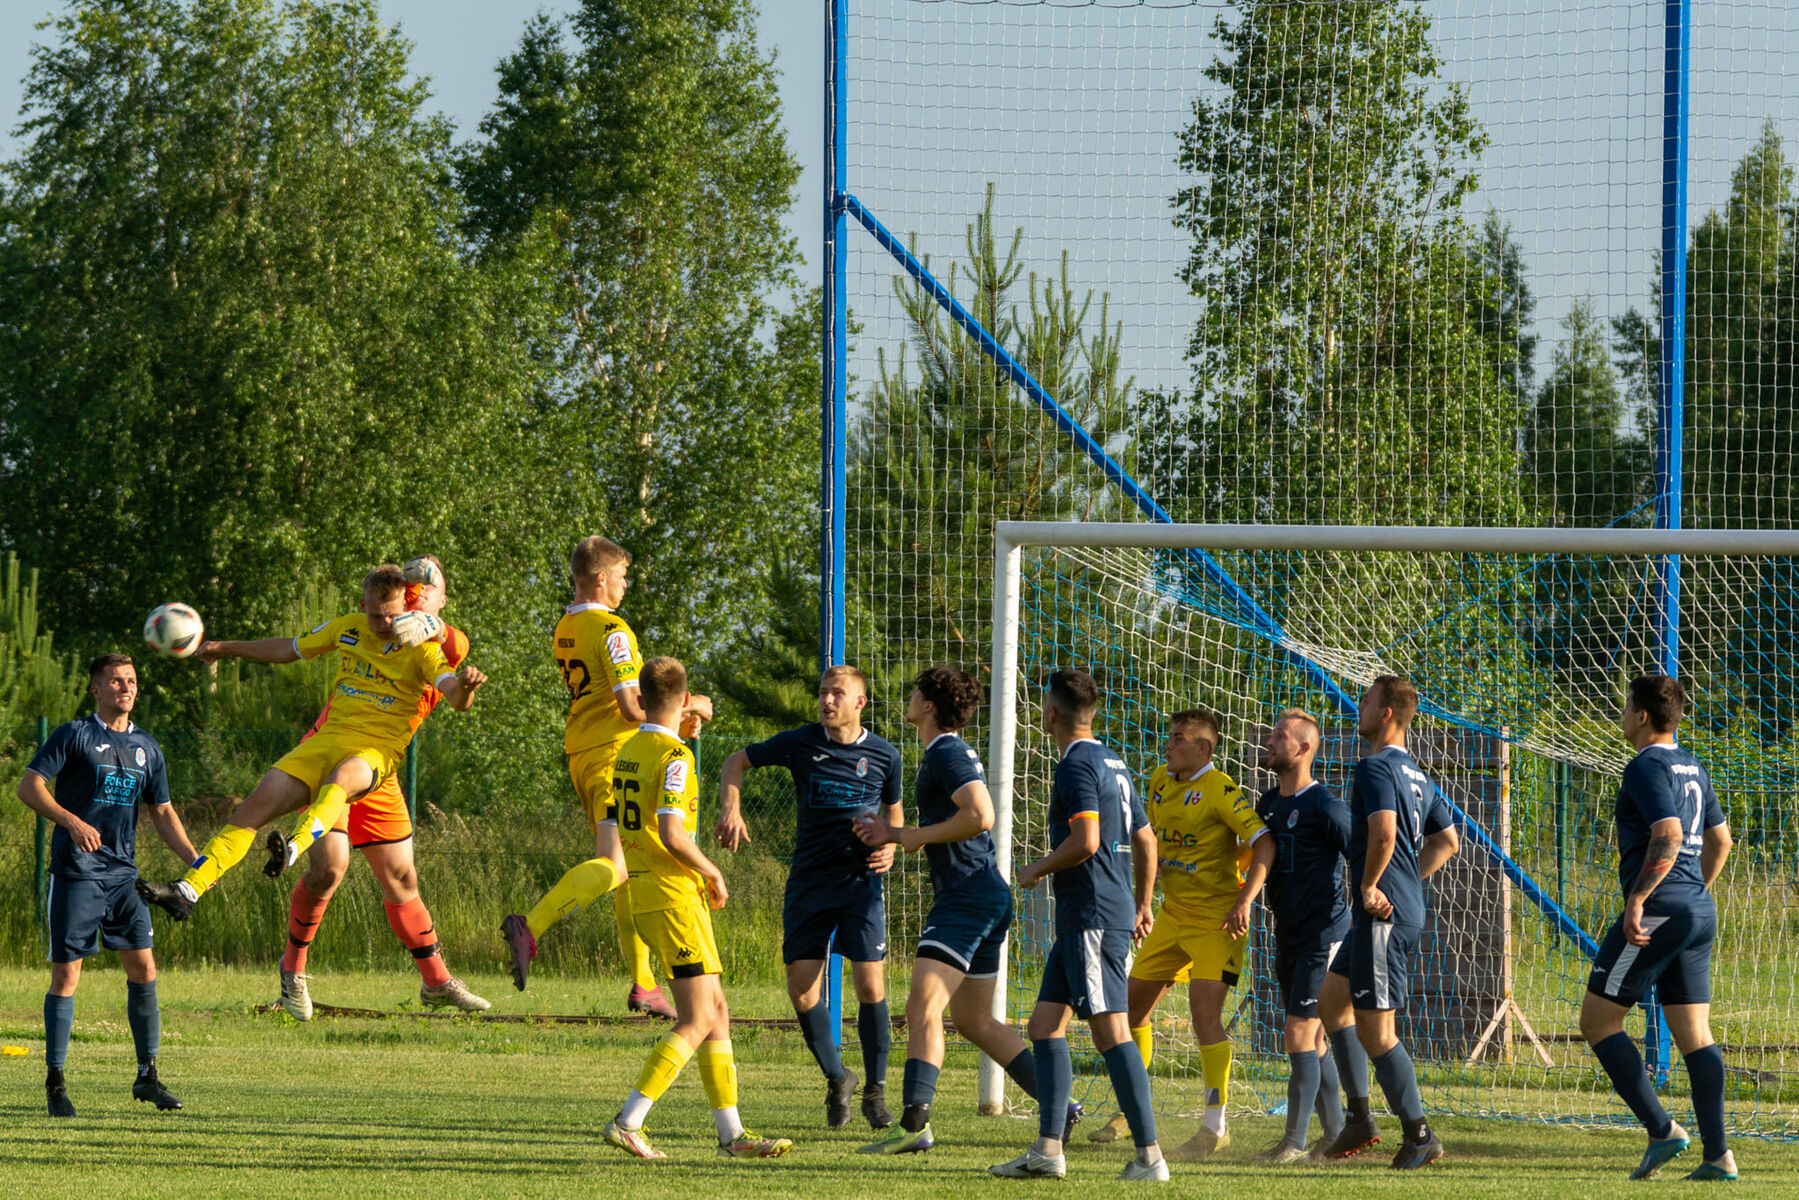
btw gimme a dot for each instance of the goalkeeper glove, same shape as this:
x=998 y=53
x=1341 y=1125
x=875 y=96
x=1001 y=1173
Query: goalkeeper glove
x=422 y=571
x=416 y=628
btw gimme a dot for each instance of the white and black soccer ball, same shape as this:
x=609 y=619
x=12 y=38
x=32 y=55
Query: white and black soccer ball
x=175 y=630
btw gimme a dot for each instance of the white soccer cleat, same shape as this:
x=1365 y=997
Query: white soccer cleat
x=1032 y=1165
x=452 y=993
x=1155 y=1172
x=296 y=999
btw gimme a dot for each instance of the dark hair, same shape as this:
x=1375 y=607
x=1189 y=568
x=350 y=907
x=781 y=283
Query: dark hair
x=384 y=582
x=1073 y=694
x=1198 y=715
x=106 y=662
x=1661 y=699
x=662 y=679
x=952 y=693
x=1398 y=694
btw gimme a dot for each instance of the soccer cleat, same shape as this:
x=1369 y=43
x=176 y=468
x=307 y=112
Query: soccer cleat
x=650 y=1002
x=1281 y=1153
x=1717 y=1170
x=148 y=1087
x=282 y=854
x=1116 y=1126
x=296 y=997
x=1203 y=1144
x=631 y=1141
x=56 y=1094
x=1032 y=1165
x=167 y=897
x=838 y=1093
x=1660 y=1151
x=748 y=1145
x=1155 y=1172
x=521 y=945
x=900 y=1140
x=452 y=993
x=1413 y=1155
x=1356 y=1137
x=1075 y=1112
x=874 y=1107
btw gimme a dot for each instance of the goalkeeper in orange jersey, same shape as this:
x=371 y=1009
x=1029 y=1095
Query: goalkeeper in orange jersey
x=673 y=887
x=380 y=827
x=599 y=660
x=385 y=664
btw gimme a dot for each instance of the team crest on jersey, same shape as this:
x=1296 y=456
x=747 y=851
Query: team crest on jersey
x=1292 y=818
x=618 y=647
x=861 y=766
x=674 y=777
x=141 y=759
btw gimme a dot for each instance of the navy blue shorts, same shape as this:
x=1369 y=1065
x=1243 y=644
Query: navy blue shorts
x=966 y=929
x=1300 y=965
x=1677 y=962
x=1088 y=971
x=1377 y=958
x=849 y=906
x=86 y=914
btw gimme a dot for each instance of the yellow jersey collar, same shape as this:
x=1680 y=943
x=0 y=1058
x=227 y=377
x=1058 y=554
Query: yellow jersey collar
x=652 y=727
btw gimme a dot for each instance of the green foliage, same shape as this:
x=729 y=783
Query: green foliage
x=1341 y=369
x=1588 y=465
x=773 y=684
x=35 y=681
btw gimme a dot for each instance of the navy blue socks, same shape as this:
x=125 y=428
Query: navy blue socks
x=1705 y=1071
x=1055 y=1084
x=1130 y=1083
x=59 y=1016
x=146 y=1021
x=875 y=1031
x=815 y=1026
x=1622 y=1062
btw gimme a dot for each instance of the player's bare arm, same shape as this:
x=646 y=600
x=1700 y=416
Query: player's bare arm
x=460 y=690
x=263 y=650
x=173 y=834
x=1143 y=880
x=1383 y=837
x=683 y=850
x=1438 y=849
x=1664 y=850
x=1713 y=853
x=1261 y=861
x=731 y=830
x=1081 y=844
x=39 y=799
x=974 y=816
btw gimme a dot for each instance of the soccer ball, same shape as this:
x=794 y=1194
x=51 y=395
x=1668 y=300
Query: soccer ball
x=174 y=630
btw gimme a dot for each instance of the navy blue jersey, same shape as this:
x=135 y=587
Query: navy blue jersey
x=1665 y=781
x=1389 y=781
x=949 y=765
x=101 y=776
x=1305 y=887
x=1099 y=893
x=832 y=782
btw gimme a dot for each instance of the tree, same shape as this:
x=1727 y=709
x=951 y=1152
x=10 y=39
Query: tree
x=641 y=168
x=1339 y=370
x=1588 y=467
x=239 y=351
x=1501 y=305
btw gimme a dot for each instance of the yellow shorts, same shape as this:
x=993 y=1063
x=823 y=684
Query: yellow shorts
x=1181 y=948
x=591 y=771
x=681 y=938
x=319 y=755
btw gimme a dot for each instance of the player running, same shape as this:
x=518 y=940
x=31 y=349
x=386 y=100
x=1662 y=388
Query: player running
x=1399 y=833
x=380 y=827
x=104 y=767
x=385 y=664
x=834 y=887
x=672 y=883
x=1672 y=843
x=598 y=657
x=1310 y=829
x=1104 y=863
x=1203 y=822
x=958 y=956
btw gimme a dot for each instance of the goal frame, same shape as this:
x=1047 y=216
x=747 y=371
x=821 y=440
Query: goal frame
x=1011 y=538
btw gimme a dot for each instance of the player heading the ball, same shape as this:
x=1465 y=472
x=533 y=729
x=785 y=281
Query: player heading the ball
x=673 y=888
x=1672 y=843
x=834 y=887
x=383 y=677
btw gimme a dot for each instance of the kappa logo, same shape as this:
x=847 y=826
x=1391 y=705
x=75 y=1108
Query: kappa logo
x=684 y=953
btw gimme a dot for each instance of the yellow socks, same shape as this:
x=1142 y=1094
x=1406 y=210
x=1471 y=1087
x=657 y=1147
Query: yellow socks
x=579 y=887
x=1145 y=1043
x=718 y=1071
x=226 y=849
x=662 y=1066
x=637 y=955
x=317 y=820
x=1215 y=1065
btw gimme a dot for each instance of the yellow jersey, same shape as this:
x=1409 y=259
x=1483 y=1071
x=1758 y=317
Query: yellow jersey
x=1203 y=829
x=597 y=654
x=380 y=686
x=654 y=775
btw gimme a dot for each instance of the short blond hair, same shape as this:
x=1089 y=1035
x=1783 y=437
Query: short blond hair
x=1300 y=714
x=596 y=554
x=384 y=582
x=662 y=681
x=844 y=671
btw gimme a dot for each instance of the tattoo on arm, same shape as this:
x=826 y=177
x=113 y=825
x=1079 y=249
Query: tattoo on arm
x=1663 y=850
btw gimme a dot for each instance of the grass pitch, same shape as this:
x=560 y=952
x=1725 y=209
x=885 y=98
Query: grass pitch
x=465 y=1108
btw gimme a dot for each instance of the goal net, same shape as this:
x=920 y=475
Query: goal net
x=1520 y=642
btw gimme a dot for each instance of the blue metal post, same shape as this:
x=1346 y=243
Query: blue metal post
x=835 y=417
x=1671 y=405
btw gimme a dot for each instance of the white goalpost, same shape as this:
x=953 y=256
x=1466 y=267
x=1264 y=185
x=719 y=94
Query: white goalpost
x=1520 y=641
